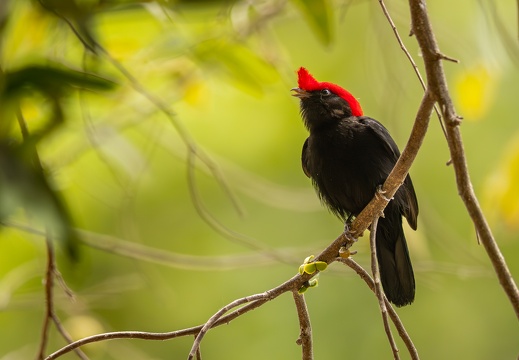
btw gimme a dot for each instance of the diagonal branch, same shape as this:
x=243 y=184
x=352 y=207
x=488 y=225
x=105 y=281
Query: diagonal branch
x=401 y=169
x=378 y=287
x=392 y=313
x=438 y=87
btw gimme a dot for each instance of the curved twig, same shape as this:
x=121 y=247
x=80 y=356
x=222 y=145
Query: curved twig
x=213 y=319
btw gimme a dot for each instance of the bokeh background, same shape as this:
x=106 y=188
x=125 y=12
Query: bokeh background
x=166 y=239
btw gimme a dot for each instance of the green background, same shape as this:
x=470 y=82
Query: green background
x=225 y=70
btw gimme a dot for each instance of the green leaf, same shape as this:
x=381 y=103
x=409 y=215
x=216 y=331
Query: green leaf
x=317 y=14
x=321 y=265
x=23 y=184
x=241 y=65
x=52 y=80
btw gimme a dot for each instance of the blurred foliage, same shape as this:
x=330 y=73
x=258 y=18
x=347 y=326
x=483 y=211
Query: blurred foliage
x=87 y=157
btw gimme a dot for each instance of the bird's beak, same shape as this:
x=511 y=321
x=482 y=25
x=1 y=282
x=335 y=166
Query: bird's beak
x=300 y=93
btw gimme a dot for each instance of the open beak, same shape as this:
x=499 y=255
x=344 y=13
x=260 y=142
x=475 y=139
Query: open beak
x=300 y=93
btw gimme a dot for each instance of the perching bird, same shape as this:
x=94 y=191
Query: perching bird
x=348 y=156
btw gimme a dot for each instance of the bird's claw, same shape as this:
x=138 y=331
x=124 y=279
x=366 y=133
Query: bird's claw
x=382 y=194
x=348 y=234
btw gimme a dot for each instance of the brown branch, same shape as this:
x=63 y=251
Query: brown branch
x=49 y=302
x=305 y=328
x=401 y=169
x=378 y=287
x=52 y=271
x=213 y=319
x=328 y=255
x=143 y=335
x=392 y=313
x=372 y=210
x=439 y=91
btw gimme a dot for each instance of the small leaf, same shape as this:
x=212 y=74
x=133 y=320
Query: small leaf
x=317 y=14
x=313 y=283
x=321 y=265
x=52 y=80
x=310 y=268
x=301 y=269
x=308 y=259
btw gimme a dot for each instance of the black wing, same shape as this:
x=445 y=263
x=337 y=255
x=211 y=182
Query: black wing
x=304 y=159
x=406 y=196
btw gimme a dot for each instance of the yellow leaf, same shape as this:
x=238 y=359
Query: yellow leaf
x=501 y=193
x=475 y=90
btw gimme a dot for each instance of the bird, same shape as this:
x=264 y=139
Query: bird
x=348 y=156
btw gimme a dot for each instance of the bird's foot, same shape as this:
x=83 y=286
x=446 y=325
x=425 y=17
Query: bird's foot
x=382 y=194
x=350 y=235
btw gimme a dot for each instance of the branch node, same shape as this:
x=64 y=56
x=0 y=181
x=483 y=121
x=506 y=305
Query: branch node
x=441 y=56
x=455 y=121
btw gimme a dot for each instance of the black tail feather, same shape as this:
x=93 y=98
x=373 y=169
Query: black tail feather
x=396 y=271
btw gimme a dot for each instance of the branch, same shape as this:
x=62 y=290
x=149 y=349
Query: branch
x=409 y=57
x=213 y=319
x=49 y=303
x=392 y=313
x=438 y=87
x=378 y=287
x=305 y=334
x=401 y=169
x=52 y=270
x=328 y=255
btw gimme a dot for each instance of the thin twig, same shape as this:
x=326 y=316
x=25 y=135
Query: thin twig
x=52 y=271
x=192 y=148
x=410 y=58
x=404 y=335
x=305 y=328
x=438 y=86
x=328 y=255
x=64 y=333
x=378 y=287
x=143 y=335
x=49 y=306
x=213 y=319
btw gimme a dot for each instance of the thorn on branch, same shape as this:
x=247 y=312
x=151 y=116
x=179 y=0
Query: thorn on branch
x=447 y=58
x=455 y=121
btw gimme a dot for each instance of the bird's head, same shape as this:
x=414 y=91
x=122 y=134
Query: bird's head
x=323 y=101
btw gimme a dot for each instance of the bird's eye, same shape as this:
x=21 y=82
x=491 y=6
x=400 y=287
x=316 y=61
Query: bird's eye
x=326 y=92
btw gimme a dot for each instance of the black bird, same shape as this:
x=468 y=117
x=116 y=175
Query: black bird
x=348 y=156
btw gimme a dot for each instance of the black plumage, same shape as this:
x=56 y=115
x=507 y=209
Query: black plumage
x=348 y=156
